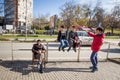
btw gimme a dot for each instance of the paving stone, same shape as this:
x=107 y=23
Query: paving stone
x=20 y=70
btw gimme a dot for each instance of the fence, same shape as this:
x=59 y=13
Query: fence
x=27 y=49
x=21 y=51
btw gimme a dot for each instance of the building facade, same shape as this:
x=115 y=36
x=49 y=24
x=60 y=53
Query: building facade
x=18 y=12
x=53 y=21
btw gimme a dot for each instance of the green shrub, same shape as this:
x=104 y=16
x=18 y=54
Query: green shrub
x=4 y=39
x=44 y=31
x=40 y=31
x=56 y=32
x=47 y=28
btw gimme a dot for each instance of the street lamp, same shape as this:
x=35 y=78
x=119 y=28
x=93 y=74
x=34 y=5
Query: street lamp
x=26 y=23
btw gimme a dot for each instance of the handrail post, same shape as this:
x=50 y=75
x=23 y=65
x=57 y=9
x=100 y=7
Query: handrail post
x=47 y=53
x=108 y=51
x=12 y=51
x=78 y=57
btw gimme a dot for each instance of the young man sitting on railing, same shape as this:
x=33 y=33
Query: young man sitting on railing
x=38 y=50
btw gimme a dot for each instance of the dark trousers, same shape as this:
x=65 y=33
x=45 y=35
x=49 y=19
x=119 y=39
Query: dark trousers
x=94 y=59
x=72 y=44
x=40 y=57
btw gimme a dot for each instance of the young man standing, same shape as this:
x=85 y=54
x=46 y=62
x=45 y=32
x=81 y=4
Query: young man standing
x=96 y=45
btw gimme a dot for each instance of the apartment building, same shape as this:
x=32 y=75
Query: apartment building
x=18 y=12
x=53 y=21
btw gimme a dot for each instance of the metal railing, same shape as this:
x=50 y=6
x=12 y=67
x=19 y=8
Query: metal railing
x=48 y=50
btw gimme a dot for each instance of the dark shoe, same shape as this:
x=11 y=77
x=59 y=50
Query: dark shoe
x=94 y=69
x=41 y=71
x=63 y=49
x=68 y=50
x=59 y=49
x=74 y=49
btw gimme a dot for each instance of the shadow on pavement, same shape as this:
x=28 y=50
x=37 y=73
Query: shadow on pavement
x=115 y=50
x=25 y=68
x=47 y=70
x=115 y=60
x=17 y=66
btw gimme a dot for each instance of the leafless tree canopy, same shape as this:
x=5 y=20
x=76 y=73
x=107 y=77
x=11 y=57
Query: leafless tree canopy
x=72 y=14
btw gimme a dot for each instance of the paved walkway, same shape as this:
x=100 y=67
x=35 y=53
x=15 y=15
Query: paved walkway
x=21 y=70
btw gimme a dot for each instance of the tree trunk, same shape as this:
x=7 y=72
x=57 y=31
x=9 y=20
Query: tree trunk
x=112 y=30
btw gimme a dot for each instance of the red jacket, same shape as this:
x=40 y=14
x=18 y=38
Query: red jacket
x=97 y=41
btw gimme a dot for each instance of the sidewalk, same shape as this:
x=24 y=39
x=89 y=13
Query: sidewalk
x=21 y=70
x=112 y=41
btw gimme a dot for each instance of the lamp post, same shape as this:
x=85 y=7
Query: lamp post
x=26 y=23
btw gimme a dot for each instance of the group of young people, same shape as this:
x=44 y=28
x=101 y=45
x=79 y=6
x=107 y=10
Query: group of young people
x=68 y=39
x=71 y=40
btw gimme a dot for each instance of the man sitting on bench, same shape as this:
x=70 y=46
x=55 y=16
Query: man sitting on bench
x=38 y=50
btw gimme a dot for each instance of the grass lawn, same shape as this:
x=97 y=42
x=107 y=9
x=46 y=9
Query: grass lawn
x=112 y=37
x=7 y=37
x=20 y=36
x=115 y=31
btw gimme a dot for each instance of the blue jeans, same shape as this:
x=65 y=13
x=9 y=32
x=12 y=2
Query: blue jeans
x=63 y=43
x=94 y=59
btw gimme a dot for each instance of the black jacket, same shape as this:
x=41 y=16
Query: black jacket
x=72 y=35
x=37 y=47
x=62 y=35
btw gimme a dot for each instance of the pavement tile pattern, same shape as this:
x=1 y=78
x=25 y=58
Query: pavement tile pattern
x=21 y=70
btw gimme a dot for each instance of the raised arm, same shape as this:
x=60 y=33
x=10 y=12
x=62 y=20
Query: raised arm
x=91 y=34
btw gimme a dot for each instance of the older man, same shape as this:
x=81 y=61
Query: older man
x=38 y=50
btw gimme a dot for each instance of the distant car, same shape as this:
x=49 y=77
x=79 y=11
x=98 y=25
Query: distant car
x=0 y=30
x=119 y=44
x=85 y=38
x=31 y=31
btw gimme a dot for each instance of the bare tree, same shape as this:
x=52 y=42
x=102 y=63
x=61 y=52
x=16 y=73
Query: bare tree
x=41 y=22
x=68 y=13
x=77 y=13
x=86 y=12
x=71 y=12
x=99 y=17
x=115 y=21
x=94 y=14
